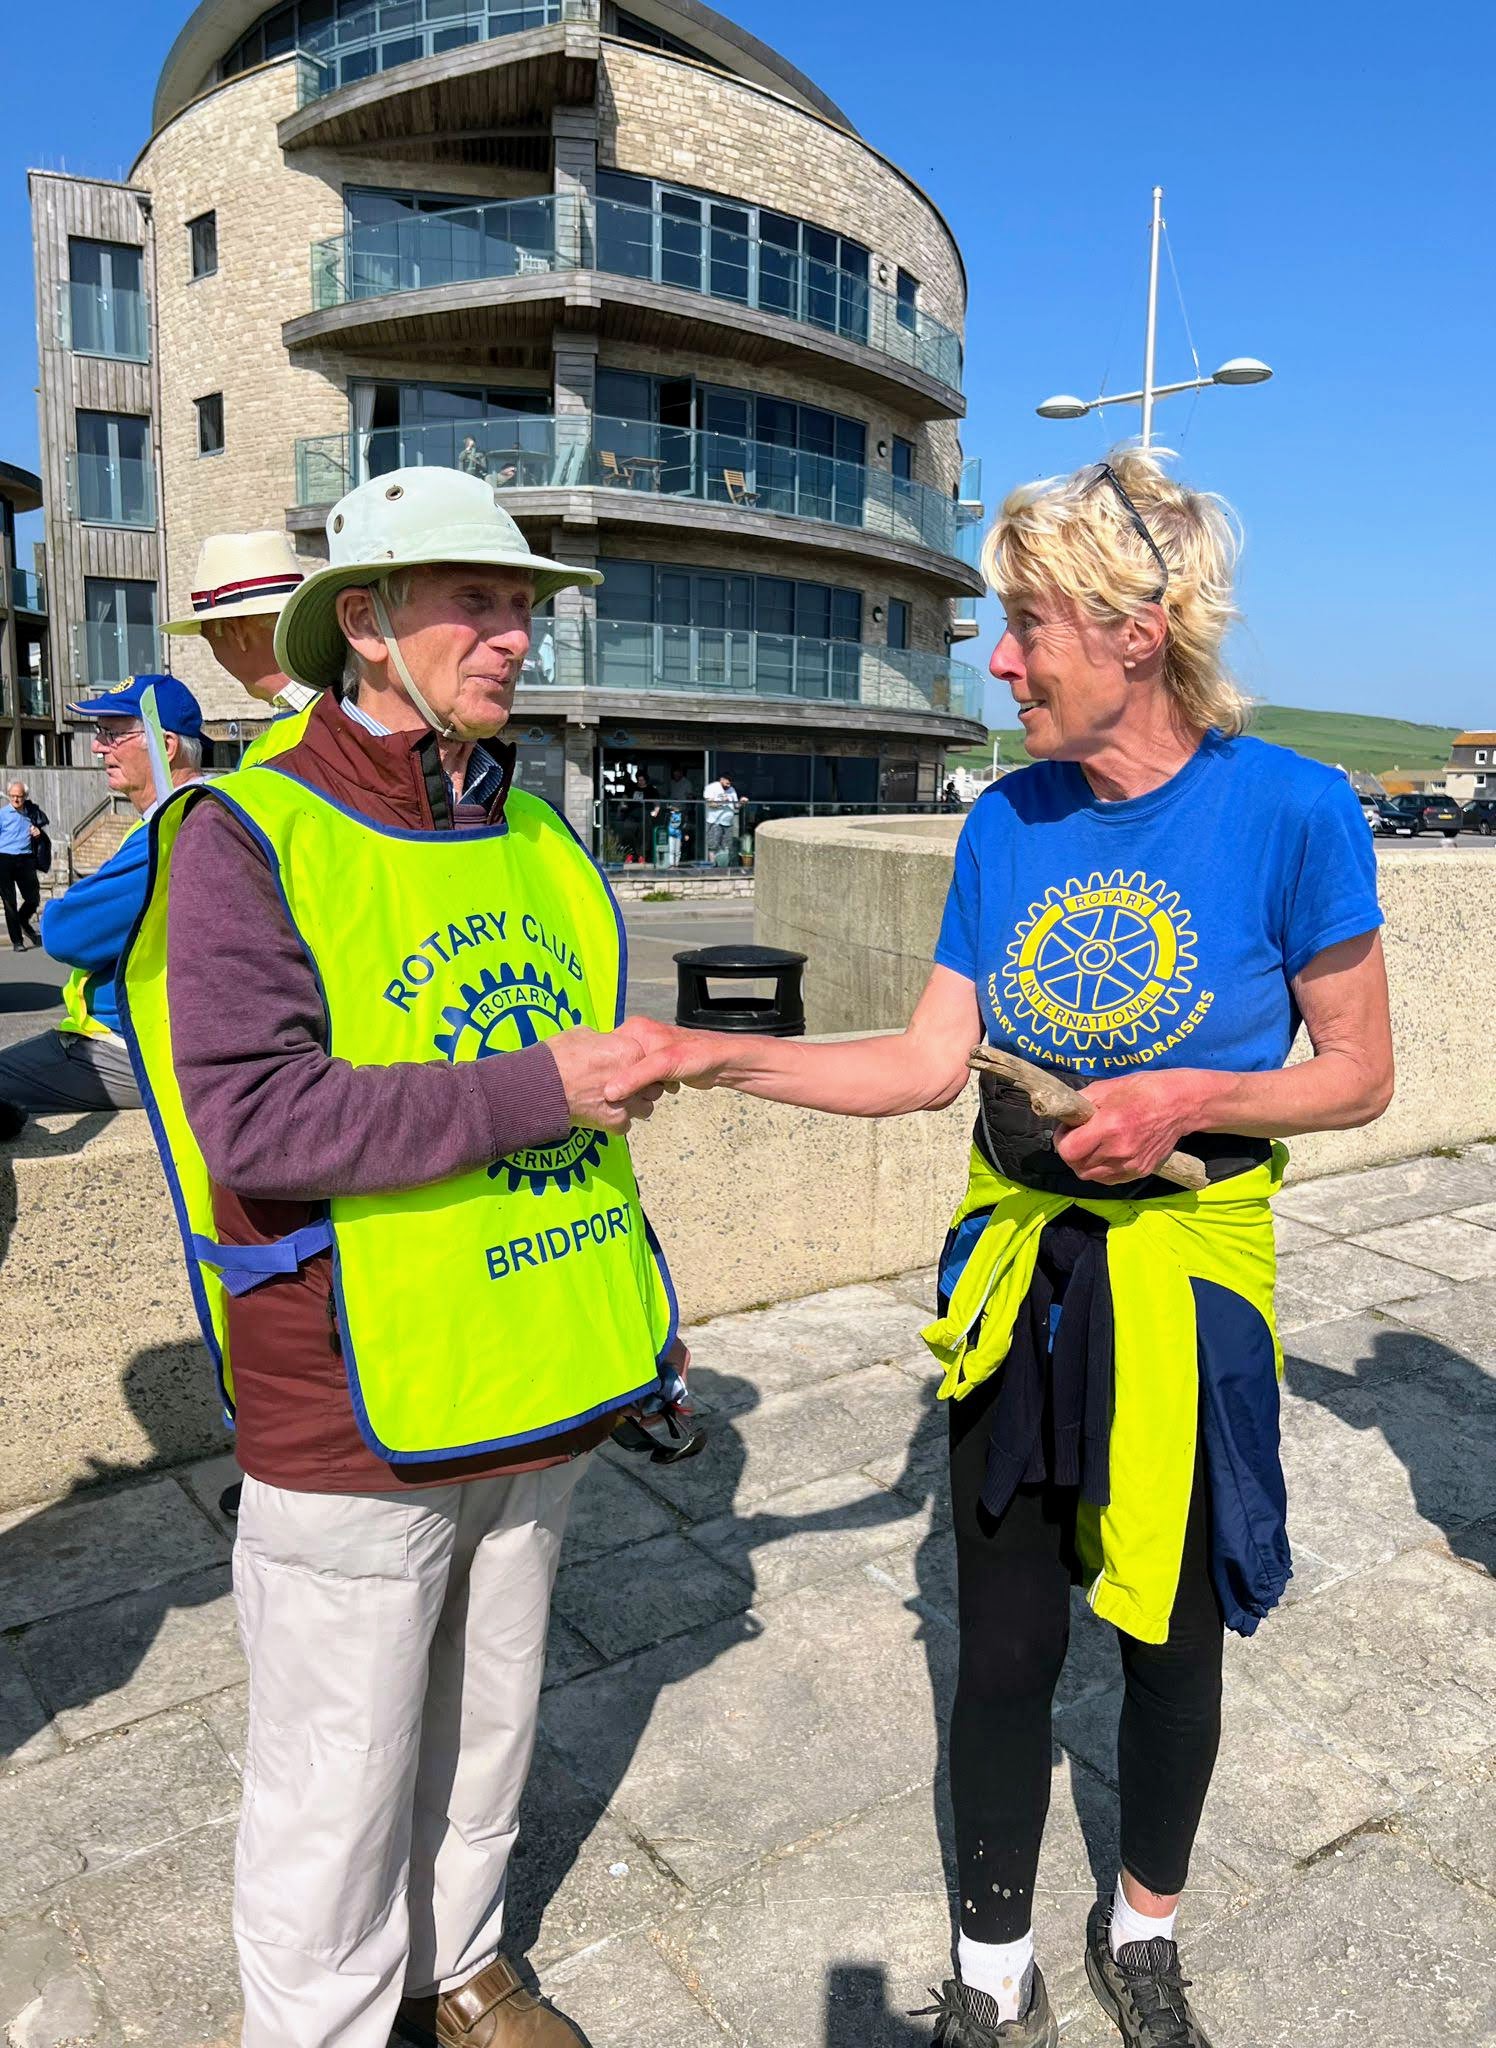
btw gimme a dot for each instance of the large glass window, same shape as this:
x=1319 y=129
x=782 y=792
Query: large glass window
x=668 y=627
x=483 y=430
x=730 y=250
x=402 y=241
x=113 y=470
x=106 y=300
x=119 y=630
x=353 y=39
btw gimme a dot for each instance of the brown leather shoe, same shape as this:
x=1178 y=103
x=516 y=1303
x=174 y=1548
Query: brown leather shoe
x=492 y=2010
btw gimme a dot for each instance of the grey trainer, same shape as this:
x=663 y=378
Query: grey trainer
x=1140 y=1988
x=968 y=2018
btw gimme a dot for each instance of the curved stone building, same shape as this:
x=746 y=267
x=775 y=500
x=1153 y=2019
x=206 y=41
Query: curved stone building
x=629 y=265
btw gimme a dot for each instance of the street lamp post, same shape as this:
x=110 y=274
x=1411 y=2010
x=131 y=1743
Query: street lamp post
x=1239 y=370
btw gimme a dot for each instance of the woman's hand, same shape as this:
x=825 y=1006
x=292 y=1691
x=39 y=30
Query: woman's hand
x=1139 y=1121
x=666 y=1057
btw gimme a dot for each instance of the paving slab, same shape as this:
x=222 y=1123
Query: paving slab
x=49 y=1998
x=741 y=1739
x=26 y=1730
x=107 y=1801
x=576 y=1877
x=108 y=1666
x=1290 y=1236
x=810 y=1533
x=1458 y=1250
x=647 y=1593
x=1372 y=1945
x=207 y=1481
x=609 y=1508
x=740 y=1360
x=156 y=1929
x=1394 y=1672
x=624 y=1994
x=92 y=1546
x=790 y=1440
x=1463 y=1318
x=1456 y=1824
x=1378 y=1195
x=1338 y=1279
x=1484 y=1213
x=1368 y=1348
x=567 y=1654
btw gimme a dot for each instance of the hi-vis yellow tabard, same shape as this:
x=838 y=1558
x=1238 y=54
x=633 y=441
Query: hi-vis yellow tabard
x=502 y=1305
x=77 y=991
x=283 y=732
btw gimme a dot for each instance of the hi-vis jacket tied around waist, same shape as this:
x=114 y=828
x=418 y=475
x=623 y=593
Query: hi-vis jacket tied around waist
x=501 y=1306
x=1191 y=1279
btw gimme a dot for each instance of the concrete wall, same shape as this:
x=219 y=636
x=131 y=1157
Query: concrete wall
x=863 y=899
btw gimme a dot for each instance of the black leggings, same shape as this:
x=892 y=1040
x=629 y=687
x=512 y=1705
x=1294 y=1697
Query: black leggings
x=1015 y=1574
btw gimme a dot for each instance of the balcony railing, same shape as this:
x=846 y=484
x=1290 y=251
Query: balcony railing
x=695 y=256
x=107 y=490
x=95 y=320
x=28 y=593
x=35 y=693
x=350 y=48
x=532 y=451
x=501 y=238
x=717 y=661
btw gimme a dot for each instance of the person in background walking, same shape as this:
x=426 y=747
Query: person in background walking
x=722 y=806
x=238 y=588
x=23 y=826
x=84 y=1062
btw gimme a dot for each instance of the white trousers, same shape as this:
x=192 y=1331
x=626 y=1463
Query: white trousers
x=396 y=1645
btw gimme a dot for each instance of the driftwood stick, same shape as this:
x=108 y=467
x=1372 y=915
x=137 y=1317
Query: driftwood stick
x=1050 y=1097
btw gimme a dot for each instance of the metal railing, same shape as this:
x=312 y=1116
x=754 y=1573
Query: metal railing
x=698 y=256
x=347 y=58
x=573 y=450
x=499 y=238
x=35 y=695
x=107 y=490
x=97 y=320
x=28 y=593
x=666 y=832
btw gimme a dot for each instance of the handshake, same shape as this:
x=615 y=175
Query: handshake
x=614 y=1078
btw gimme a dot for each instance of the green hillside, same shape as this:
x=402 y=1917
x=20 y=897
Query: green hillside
x=1354 y=741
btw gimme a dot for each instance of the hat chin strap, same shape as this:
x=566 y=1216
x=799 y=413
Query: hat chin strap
x=398 y=663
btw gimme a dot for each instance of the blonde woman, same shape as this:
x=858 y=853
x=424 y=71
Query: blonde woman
x=1149 y=910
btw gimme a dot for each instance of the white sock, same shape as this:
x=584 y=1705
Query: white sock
x=996 y=1967
x=1128 y=1924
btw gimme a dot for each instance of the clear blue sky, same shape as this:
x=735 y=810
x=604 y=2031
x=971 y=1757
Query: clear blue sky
x=1329 y=187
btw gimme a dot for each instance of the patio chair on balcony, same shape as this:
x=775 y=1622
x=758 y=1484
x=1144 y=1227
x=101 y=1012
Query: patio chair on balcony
x=611 y=468
x=736 y=485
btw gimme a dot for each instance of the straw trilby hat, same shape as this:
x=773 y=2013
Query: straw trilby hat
x=240 y=576
x=410 y=517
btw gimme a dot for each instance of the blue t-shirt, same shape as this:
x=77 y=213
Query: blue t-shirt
x=1162 y=931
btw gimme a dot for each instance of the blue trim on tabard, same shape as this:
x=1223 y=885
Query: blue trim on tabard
x=623 y=937
x=190 y=795
x=433 y=838
x=668 y=1284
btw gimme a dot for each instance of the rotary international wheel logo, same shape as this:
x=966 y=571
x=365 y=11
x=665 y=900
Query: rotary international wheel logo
x=1101 y=960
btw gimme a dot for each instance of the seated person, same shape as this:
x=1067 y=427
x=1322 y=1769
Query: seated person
x=84 y=1063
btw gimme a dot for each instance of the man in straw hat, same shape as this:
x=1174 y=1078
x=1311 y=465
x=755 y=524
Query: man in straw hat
x=417 y=1248
x=241 y=582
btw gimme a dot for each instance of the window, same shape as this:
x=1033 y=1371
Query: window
x=898 y=623
x=202 y=239
x=908 y=301
x=404 y=241
x=401 y=426
x=1480 y=753
x=112 y=470
x=106 y=301
x=119 y=630
x=353 y=39
x=210 y=423
x=902 y=463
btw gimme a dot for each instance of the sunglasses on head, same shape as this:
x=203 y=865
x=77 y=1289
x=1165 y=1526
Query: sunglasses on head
x=1105 y=474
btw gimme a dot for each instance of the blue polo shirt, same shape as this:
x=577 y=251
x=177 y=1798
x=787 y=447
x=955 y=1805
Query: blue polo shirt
x=15 y=829
x=1161 y=931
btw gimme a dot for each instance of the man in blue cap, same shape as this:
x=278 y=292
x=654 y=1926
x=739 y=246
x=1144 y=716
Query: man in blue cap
x=84 y=1063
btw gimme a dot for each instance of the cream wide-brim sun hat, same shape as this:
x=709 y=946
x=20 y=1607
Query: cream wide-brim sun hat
x=240 y=576
x=408 y=518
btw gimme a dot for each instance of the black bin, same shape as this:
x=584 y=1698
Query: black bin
x=781 y=1015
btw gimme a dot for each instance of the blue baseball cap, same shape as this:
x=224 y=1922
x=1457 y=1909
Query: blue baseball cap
x=177 y=708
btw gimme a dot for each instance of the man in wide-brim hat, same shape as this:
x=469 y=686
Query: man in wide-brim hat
x=416 y=1244
x=239 y=588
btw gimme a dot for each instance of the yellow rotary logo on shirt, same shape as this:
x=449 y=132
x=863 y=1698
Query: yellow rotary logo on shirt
x=1101 y=960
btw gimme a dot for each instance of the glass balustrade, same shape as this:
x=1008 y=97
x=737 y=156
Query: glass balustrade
x=531 y=451
x=349 y=40
x=96 y=320
x=28 y=593
x=35 y=694
x=109 y=490
x=501 y=238
x=697 y=256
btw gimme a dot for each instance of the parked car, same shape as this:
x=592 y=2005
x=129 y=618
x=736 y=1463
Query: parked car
x=1480 y=816
x=1414 y=814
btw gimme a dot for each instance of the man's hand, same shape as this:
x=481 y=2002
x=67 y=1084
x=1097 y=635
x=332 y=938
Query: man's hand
x=1139 y=1120
x=666 y=1056
x=608 y=1081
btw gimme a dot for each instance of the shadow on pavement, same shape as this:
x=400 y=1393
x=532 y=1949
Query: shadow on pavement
x=858 y=2014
